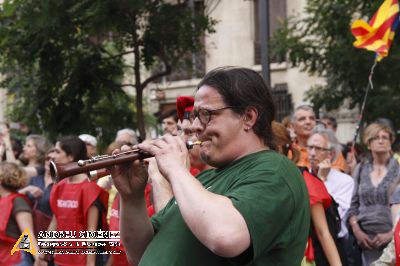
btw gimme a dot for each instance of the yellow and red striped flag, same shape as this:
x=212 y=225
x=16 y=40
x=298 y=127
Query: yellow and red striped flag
x=378 y=34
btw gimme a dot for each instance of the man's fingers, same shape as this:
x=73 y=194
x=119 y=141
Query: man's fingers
x=116 y=151
x=181 y=143
x=126 y=148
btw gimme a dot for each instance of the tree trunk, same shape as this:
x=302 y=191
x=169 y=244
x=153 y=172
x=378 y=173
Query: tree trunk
x=139 y=112
x=139 y=87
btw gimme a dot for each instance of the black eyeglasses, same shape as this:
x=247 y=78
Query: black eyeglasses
x=204 y=115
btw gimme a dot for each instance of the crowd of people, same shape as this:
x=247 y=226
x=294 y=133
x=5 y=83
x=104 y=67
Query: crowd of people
x=249 y=191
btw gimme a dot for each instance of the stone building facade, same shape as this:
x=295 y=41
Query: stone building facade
x=236 y=43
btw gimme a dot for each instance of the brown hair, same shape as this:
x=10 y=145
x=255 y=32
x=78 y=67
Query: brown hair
x=283 y=142
x=74 y=146
x=12 y=177
x=243 y=88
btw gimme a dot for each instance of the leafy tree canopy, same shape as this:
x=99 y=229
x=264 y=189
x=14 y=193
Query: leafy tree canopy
x=64 y=61
x=321 y=43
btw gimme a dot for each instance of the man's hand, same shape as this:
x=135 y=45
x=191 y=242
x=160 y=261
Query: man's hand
x=323 y=169
x=130 y=179
x=170 y=153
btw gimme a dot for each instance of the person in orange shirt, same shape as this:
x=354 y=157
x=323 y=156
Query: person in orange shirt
x=303 y=122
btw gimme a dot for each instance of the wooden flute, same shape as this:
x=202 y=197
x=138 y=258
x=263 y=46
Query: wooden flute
x=96 y=167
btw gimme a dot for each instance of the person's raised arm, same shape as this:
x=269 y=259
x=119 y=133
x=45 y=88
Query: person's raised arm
x=10 y=157
x=136 y=229
x=212 y=218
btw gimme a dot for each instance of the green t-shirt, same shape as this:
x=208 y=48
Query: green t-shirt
x=269 y=192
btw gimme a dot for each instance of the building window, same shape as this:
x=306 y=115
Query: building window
x=277 y=13
x=283 y=101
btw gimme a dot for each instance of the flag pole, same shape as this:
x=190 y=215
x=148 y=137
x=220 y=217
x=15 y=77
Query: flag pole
x=360 y=116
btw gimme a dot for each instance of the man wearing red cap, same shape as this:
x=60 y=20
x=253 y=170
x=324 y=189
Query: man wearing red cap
x=184 y=105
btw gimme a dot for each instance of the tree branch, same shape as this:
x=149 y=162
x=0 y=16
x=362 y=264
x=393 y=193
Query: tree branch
x=110 y=55
x=167 y=71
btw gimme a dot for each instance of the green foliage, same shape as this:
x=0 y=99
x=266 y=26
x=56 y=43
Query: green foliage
x=64 y=65
x=322 y=44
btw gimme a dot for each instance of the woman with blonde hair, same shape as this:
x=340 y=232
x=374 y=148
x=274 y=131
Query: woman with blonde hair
x=15 y=212
x=369 y=215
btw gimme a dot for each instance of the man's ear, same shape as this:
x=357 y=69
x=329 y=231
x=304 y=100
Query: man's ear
x=250 y=116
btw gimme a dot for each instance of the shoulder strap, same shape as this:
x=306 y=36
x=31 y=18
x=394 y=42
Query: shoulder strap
x=357 y=177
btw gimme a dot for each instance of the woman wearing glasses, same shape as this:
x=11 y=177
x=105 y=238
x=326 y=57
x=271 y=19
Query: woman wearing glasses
x=369 y=215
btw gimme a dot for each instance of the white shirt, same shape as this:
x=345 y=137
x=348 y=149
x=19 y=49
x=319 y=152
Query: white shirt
x=340 y=186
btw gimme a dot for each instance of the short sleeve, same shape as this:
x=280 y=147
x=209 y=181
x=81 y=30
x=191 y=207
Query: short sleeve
x=20 y=205
x=316 y=190
x=157 y=218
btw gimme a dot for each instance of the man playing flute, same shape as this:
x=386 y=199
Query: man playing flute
x=252 y=209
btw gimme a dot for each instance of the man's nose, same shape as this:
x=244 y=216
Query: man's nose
x=196 y=126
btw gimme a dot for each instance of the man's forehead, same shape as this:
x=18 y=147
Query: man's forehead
x=302 y=113
x=318 y=138
x=207 y=96
x=169 y=121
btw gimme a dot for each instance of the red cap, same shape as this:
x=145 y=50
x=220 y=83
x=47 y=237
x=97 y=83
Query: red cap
x=184 y=104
